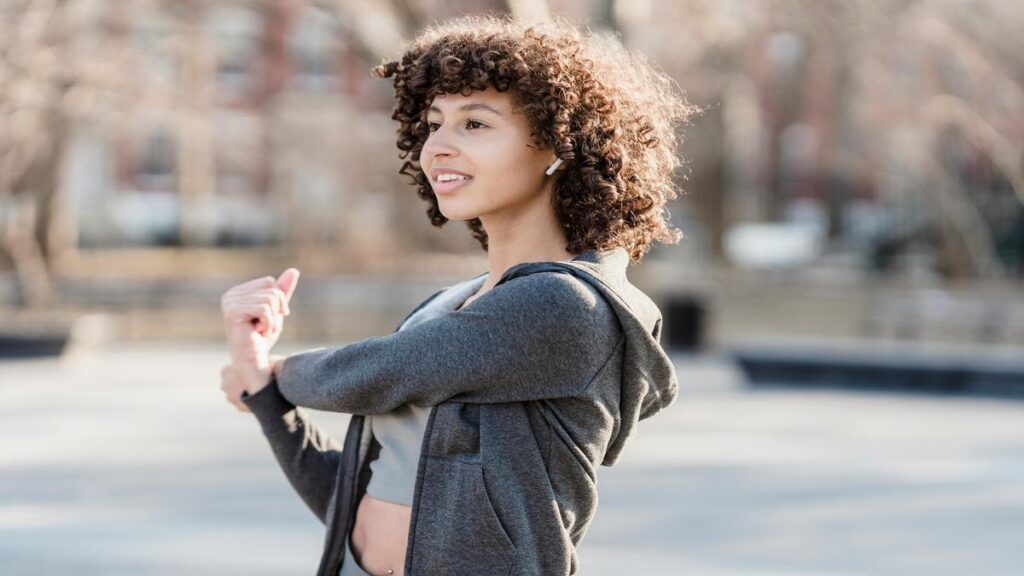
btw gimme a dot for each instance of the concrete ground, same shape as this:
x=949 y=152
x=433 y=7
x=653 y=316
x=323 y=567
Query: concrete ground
x=127 y=460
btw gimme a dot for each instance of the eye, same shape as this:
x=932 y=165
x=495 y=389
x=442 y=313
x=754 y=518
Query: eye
x=470 y=125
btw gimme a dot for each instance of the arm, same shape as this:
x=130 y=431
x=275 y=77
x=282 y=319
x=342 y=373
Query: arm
x=308 y=456
x=543 y=335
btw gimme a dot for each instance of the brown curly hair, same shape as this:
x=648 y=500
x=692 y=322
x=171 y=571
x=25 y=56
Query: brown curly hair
x=604 y=110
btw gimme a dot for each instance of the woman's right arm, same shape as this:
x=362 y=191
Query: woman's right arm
x=308 y=456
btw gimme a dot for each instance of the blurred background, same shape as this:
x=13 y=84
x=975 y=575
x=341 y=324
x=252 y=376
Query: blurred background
x=846 y=310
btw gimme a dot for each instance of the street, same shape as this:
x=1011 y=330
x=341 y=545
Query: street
x=128 y=460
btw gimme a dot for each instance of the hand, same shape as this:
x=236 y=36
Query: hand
x=233 y=385
x=254 y=319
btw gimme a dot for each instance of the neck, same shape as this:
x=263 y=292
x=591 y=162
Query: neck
x=532 y=235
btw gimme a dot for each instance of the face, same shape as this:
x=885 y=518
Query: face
x=480 y=139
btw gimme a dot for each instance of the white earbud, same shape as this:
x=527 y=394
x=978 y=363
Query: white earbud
x=554 y=166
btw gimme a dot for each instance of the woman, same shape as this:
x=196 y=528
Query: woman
x=479 y=424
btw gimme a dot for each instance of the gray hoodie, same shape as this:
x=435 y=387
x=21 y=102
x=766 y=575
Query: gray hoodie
x=532 y=386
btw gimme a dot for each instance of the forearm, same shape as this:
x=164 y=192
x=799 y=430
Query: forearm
x=308 y=456
x=361 y=378
x=544 y=337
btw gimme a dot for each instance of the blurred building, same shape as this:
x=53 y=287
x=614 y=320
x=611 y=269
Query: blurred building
x=246 y=114
x=876 y=136
x=249 y=123
x=885 y=133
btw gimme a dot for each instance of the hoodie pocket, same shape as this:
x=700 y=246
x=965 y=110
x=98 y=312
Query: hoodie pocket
x=458 y=531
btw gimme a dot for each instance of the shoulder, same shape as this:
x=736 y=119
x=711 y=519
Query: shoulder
x=560 y=299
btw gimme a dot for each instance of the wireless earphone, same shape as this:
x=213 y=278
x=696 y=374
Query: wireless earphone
x=554 y=166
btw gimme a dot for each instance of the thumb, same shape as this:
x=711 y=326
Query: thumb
x=287 y=282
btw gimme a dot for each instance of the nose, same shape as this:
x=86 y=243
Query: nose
x=439 y=144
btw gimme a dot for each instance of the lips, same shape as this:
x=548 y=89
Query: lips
x=449 y=186
x=439 y=170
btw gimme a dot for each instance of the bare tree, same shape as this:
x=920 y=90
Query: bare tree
x=45 y=82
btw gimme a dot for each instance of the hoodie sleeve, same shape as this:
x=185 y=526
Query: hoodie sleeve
x=541 y=335
x=307 y=455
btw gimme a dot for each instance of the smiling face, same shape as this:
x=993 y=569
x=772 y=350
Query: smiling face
x=486 y=145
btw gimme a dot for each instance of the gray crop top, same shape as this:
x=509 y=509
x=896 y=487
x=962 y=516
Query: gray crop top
x=400 y=432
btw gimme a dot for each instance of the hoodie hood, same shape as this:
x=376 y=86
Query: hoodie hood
x=648 y=376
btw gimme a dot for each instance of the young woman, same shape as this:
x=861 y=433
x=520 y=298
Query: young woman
x=479 y=424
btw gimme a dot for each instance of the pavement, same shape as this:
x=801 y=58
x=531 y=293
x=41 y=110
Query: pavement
x=126 y=459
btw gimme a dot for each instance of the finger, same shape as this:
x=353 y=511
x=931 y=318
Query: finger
x=232 y=388
x=236 y=401
x=288 y=281
x=270 y=298
x=280 y=299
x=267 y=318
x=277 y=322
x=241 y=406
x=239 y=310
x=261 y=282
x=273 y=296
x=255 y=317
x=259 y=316
x=233 y=312
x=256 y=283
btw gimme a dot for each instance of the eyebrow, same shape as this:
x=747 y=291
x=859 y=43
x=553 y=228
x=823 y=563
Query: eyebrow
x=472 y=106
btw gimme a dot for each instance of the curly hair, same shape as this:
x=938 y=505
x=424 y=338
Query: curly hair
x=604 y=110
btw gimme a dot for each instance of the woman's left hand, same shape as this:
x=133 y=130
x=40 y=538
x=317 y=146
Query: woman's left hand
x=232 y=386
